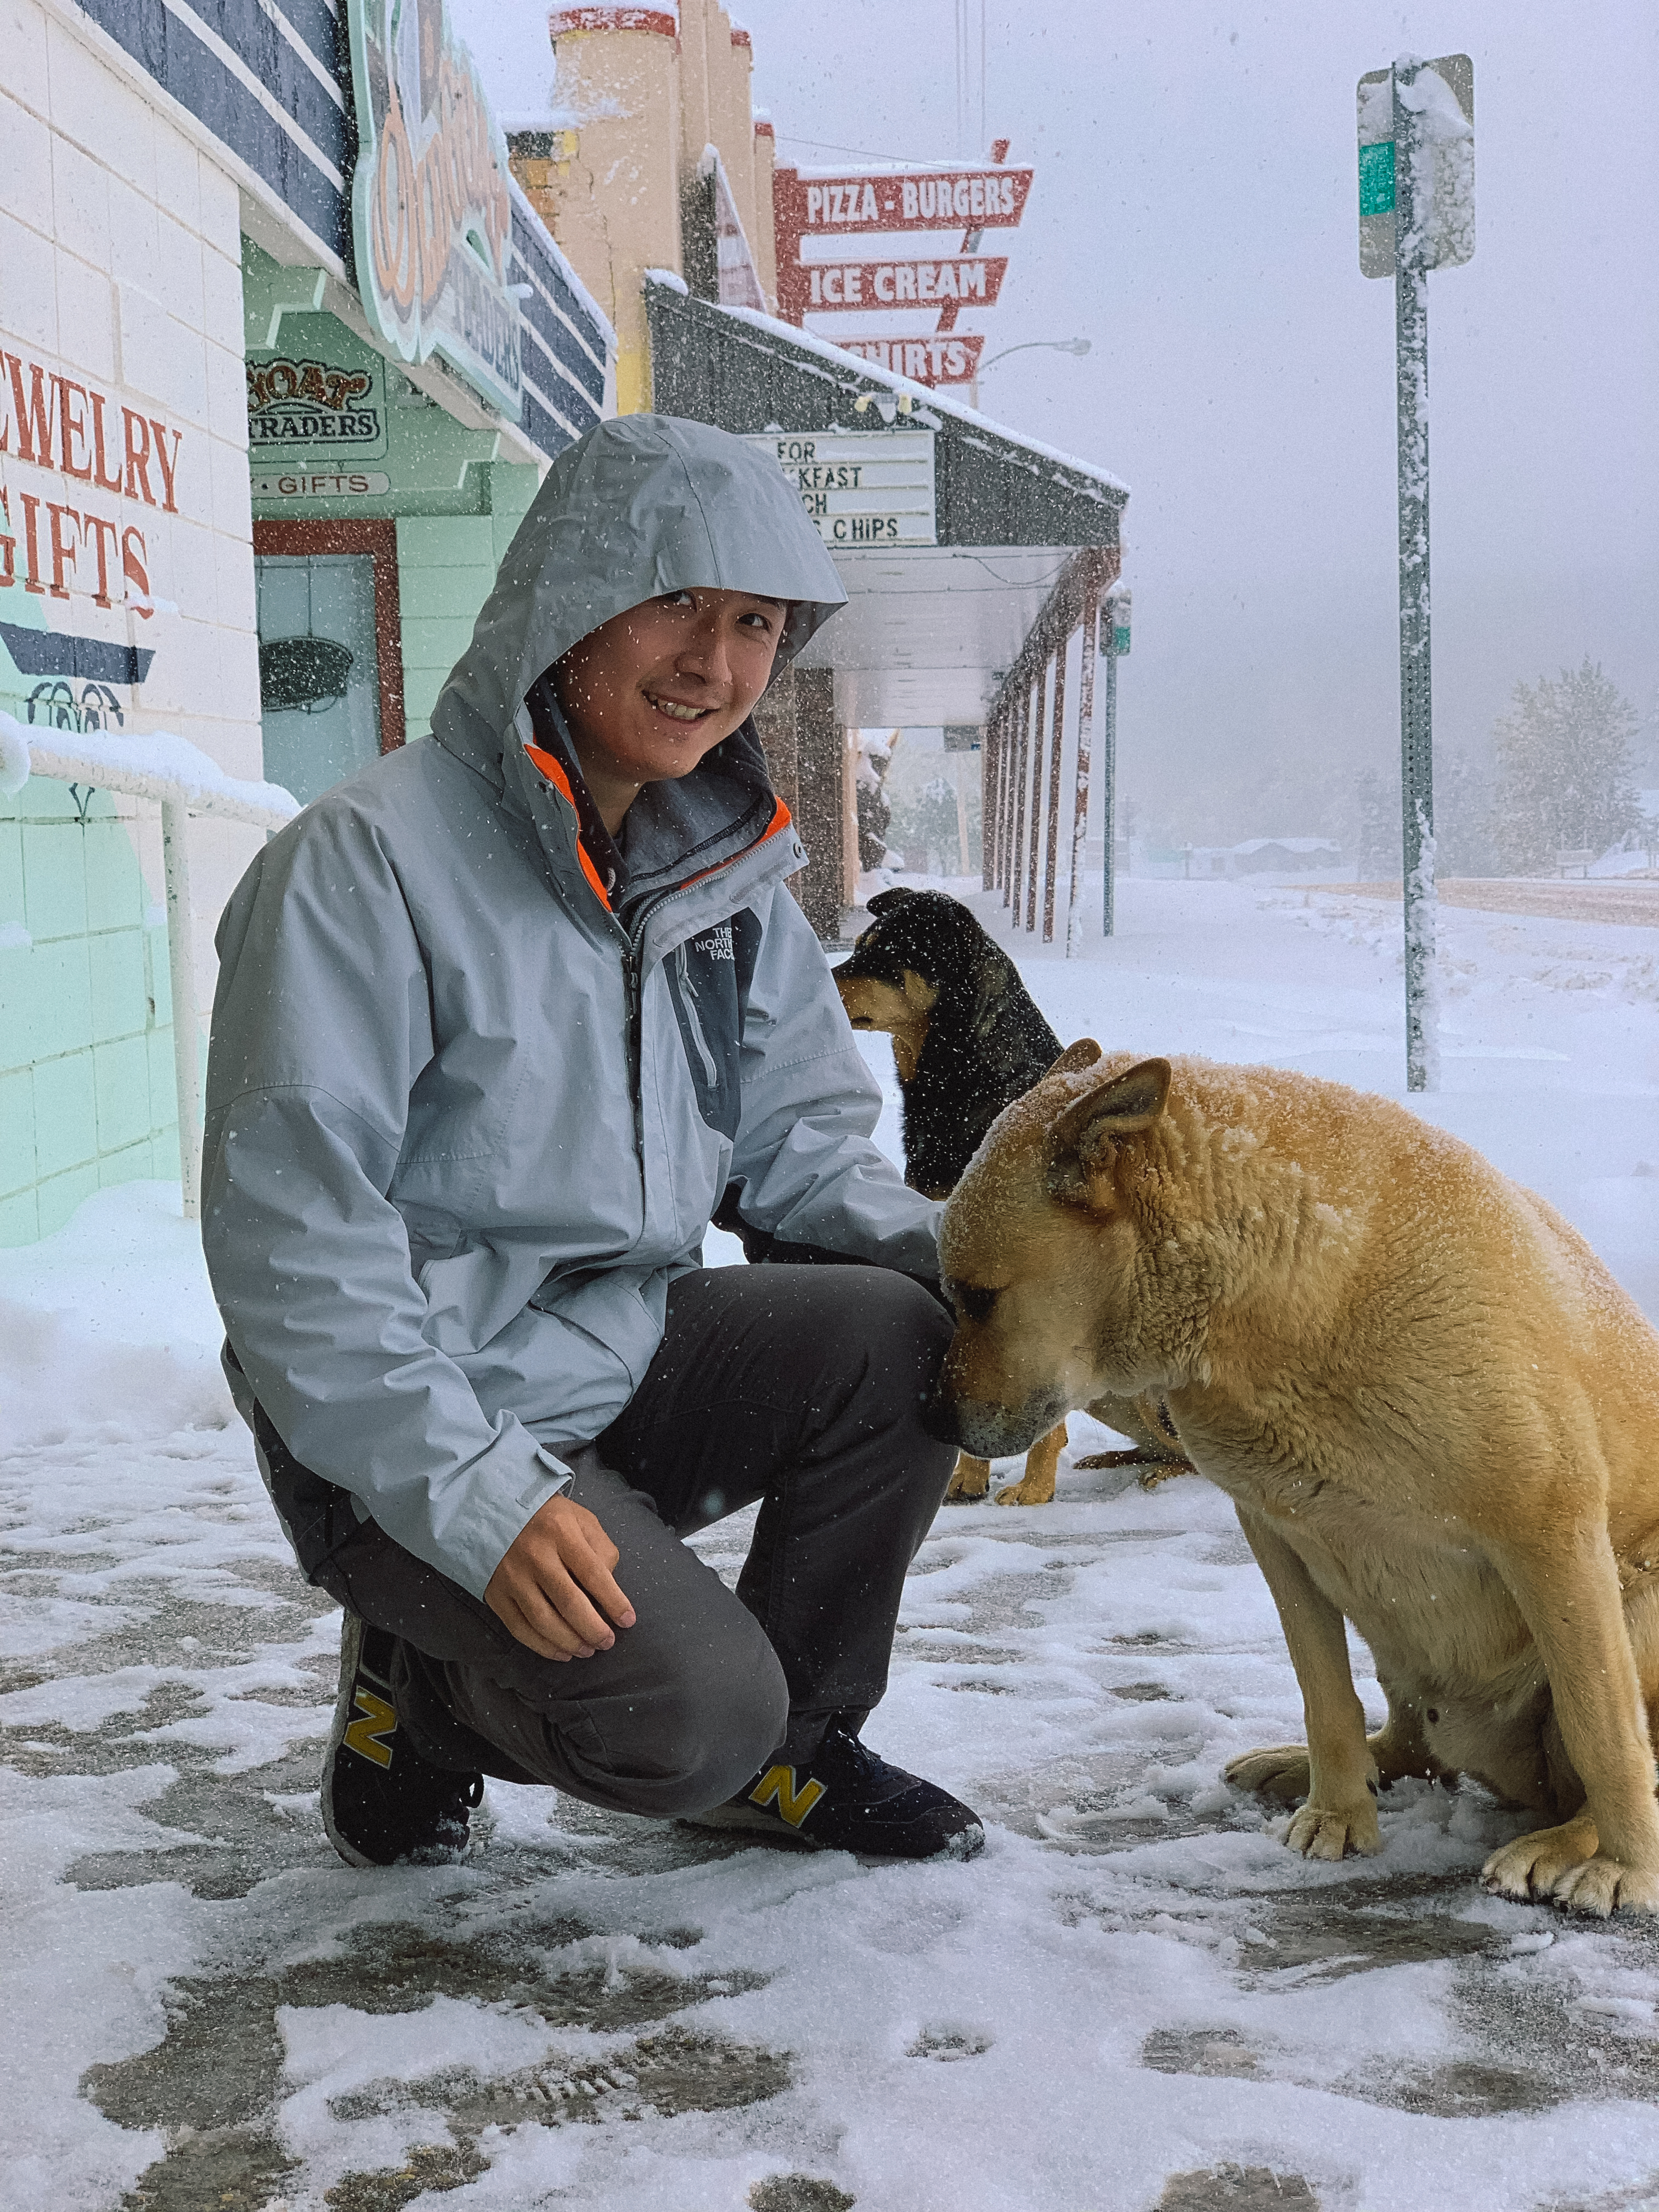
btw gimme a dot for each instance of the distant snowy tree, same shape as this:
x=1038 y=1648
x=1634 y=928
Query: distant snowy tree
x=1462 y=817
x=1564 y=770
x=926 y=829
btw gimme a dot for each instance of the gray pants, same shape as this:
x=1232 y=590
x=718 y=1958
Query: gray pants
x=801 y=1387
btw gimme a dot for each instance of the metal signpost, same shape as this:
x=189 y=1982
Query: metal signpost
x=1416 y=213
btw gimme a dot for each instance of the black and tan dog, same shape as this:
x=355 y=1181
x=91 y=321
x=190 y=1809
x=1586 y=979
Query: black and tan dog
x=968 y=1039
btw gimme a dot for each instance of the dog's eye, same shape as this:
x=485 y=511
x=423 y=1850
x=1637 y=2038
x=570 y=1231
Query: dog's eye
x=972 y=1300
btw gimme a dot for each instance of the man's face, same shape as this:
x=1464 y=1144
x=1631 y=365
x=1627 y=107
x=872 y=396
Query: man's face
x=651 y=691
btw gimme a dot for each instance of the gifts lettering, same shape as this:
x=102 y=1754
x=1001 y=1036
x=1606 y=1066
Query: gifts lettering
x=51 y=420
x=68 y=533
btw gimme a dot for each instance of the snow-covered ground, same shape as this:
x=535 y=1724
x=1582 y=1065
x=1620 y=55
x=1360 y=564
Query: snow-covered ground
x=1136 y=1997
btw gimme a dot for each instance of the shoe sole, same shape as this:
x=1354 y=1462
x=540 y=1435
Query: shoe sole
x=351 y=1652
x=966 y=1845
x=752 y=1822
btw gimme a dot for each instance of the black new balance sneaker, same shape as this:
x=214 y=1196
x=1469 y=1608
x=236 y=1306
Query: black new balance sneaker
x=381 y=1801
x=849 y=1800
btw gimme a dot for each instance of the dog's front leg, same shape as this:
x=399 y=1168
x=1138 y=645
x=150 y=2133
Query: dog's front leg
x=1037 y=1485
x=970 y=1478
x=1608 y=1855
x=1340 y=1813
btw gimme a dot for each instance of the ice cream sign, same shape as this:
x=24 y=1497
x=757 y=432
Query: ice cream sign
x=432 y=216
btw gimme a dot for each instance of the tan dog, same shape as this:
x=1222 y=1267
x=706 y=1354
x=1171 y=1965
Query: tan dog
x=1436 y=1413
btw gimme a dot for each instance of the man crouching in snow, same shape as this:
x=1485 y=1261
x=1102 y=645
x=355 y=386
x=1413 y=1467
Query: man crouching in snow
x=499 y=1021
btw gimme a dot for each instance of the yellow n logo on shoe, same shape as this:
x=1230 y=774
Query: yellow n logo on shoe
x=794 y=1805
x=377 y=1719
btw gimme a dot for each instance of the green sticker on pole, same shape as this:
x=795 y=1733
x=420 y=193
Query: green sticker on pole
x=1376 y=180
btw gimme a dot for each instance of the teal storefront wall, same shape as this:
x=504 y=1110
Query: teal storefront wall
x=86 y=1095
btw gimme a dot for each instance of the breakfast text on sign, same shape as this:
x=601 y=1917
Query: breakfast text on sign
x=860 y=488
x=53 y=421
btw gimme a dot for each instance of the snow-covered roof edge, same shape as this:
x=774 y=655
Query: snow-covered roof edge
x=852 y=365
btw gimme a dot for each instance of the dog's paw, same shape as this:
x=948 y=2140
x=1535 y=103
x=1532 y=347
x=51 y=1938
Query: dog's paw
x=1536 y=1865
x=1282 y=1772
x=1028 y=1492
x=970 y=1478
x=1604 y=1885
x=1325 y=1832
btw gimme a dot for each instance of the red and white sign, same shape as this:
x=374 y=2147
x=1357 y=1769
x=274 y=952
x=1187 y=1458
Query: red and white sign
x=943 y=199
x=54 y=424
x=809 y=206
x=819 y=288
x=951 y=357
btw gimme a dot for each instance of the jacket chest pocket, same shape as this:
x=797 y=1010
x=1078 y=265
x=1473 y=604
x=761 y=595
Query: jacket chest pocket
x=703 y=988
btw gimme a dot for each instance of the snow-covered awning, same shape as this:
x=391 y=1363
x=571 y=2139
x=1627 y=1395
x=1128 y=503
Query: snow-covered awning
x=931 y=628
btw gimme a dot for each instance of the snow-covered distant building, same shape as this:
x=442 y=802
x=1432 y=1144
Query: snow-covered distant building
x=1259 y=856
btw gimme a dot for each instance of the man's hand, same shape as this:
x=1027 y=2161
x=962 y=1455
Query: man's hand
x=559 y=1561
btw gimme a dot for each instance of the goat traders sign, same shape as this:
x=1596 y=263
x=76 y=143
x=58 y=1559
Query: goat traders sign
x=432 y=218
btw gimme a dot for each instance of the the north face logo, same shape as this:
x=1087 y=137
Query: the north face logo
x=717 y=945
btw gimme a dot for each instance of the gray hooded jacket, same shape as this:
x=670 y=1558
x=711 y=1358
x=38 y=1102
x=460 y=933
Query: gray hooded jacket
x=466 y=1119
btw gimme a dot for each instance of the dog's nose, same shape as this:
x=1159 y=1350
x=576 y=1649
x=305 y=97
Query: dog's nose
x=991 y=1432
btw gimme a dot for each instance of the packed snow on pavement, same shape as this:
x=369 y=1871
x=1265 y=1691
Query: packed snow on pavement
x=1136 y=1997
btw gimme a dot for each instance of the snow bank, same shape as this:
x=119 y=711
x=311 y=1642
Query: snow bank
x=108 y=1328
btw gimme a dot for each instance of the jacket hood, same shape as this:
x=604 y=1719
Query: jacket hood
x=643 y=505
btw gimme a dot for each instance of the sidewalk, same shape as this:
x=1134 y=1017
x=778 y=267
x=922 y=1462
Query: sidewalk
x=1135 y=1998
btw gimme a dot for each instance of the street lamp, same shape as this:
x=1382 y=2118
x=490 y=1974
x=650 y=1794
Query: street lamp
x=1079 y=346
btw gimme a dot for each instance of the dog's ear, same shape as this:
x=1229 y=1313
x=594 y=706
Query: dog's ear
x=885 y=901
x=1082 y=1137
x=1075 y=1057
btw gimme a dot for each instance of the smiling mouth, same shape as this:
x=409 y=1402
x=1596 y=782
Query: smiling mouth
x=677 y=711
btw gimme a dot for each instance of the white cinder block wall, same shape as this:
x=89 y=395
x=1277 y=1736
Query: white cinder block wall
x=120 y=272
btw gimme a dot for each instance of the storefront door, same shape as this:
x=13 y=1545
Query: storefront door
x=328 y=707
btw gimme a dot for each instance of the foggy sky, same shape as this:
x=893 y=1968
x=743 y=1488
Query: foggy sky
x=1193 y=216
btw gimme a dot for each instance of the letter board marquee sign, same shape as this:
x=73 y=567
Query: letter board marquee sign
x=860 y=487
x=432 y=216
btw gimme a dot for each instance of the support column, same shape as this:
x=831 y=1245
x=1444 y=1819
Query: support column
x=819 y=814
x=990 y=764
x=1052 y=857
x=1033 y=710
x=1037 y=799
x=1085 y=735
x=181 y=976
